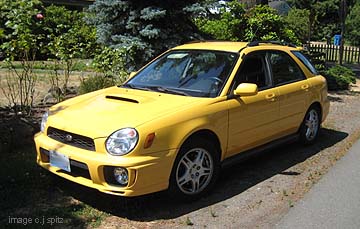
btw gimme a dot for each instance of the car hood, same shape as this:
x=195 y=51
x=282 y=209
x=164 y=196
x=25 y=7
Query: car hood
x=100 y=113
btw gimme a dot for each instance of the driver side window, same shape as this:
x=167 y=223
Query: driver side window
x=253 y=70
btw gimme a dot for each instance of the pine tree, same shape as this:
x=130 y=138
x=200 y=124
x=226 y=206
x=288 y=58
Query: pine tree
x=143 y=29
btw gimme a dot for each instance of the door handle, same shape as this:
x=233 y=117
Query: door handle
x=305 y=86
x=270 y=97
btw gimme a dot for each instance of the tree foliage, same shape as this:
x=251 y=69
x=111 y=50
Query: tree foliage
x=324 y=16
x=228 y=23
x=143 y=28
x=233 y=22
x=263 y=23
x=68 y=36
x=298 y=21
x=353 y=25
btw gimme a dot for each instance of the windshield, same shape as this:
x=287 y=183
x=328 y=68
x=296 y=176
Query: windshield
x=199 y=73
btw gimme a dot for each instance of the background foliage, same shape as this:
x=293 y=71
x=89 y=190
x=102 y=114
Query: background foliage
x=143 y=28
x=324 y=17
x=298 y=21
x=234 y=22
x=353 y=25
x=339 y=77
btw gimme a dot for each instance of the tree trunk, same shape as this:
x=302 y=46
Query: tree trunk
x=343 y=11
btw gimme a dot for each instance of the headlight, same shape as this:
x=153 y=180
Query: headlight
x=43 y=121
x=122 y=141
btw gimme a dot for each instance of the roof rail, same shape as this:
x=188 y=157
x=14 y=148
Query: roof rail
x=195 y=41
x=200 y=41
x=283 y=43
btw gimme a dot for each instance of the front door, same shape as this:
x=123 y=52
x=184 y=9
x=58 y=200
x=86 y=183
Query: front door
x=253 y=120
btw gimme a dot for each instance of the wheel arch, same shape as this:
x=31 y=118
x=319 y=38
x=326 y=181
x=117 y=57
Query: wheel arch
x=207 y=135
x=317 y=105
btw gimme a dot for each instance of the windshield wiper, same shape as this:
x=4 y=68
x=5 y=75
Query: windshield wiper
x=167 y=90
x=132 y=86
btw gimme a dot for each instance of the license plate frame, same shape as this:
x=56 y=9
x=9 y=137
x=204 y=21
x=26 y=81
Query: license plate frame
x=59 y=160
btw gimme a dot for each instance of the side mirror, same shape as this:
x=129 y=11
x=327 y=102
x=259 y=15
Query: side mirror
x=246 y=89
x=132 y=74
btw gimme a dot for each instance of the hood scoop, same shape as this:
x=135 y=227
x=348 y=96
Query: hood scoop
x=121 y=99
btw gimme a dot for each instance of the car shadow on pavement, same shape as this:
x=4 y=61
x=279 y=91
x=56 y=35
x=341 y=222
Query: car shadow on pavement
x=233 y=181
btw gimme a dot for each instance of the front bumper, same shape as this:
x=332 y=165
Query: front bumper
x=147 y=173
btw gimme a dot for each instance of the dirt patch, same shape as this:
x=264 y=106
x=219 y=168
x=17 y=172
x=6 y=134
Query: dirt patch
x=43 y=83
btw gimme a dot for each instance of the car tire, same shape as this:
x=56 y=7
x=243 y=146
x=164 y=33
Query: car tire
x=195 y=170
x=310 y=126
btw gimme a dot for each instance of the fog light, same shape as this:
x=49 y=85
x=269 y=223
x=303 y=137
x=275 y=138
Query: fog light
x=121 y=175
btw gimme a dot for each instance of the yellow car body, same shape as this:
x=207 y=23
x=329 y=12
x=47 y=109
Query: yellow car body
x=234 y=124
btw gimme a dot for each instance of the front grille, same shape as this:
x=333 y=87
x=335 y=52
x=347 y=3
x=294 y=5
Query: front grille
x=75 y=139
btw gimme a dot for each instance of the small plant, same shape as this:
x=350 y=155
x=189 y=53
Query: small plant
x=188 y=222
x=212 y=212
x=291 y=204
x=285 y=193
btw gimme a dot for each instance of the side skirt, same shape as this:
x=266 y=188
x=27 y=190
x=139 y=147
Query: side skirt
x=228 y=162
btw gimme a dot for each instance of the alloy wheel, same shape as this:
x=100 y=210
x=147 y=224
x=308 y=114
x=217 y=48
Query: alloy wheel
x=194 y=171
x=312 y=125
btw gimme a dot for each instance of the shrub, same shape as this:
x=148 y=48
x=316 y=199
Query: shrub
x=112 y=63
x=94 y=83
x=339 y=77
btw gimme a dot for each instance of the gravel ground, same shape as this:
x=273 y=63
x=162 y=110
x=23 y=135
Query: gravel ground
x=256 y=193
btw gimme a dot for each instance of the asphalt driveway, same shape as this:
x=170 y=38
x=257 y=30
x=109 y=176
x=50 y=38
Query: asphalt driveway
x=334 y=202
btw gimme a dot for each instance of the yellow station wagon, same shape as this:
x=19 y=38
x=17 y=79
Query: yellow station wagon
x=178 y=120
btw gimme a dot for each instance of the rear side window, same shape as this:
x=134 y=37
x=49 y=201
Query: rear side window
x=284 y=68
x=305 y=61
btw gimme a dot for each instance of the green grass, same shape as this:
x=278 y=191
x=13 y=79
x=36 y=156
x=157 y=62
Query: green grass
x=79 y=65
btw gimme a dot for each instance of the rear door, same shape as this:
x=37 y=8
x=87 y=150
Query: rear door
x=294 y=90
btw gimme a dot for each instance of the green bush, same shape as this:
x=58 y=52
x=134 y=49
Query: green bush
x=112 y=63
x=94 y=83
x=339 y=77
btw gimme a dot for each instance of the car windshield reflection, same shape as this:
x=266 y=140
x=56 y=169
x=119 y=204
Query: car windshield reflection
x=198 y=73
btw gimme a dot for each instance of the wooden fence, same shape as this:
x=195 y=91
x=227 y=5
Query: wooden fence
x=330 y=53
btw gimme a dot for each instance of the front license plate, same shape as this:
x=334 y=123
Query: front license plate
x=60 y=161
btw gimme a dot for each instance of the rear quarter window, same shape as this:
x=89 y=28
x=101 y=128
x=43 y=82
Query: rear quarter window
x=305 y=61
